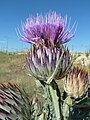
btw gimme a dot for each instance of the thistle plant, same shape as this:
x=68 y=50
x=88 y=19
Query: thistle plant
x=49 y=60
x=47 y=34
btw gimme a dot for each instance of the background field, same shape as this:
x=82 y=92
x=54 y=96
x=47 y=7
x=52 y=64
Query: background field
x=13 y=69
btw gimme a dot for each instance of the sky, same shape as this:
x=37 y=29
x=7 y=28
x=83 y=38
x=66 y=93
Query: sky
x=14 y=12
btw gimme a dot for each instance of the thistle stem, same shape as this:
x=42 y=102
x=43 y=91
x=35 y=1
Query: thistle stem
x=56 y=99
x=52 y=99
x=66 y=108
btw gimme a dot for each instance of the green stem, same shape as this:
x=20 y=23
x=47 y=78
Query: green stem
x=53 y=99
x=56 y=99
x=68 y=103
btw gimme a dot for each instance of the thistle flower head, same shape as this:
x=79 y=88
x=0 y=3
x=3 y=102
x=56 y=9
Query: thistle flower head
x=76 y=82
x=14 y=104
x=49 y=30
x=42 y=62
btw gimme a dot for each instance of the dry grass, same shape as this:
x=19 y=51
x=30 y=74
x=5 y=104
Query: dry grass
x=12 y=69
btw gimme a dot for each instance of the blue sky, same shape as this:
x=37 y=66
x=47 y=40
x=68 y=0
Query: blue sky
x=12 y=12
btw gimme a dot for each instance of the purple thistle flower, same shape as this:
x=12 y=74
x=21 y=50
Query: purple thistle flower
x=49 y=30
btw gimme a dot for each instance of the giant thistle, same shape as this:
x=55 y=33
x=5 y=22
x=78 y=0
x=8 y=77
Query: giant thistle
x=47 y=34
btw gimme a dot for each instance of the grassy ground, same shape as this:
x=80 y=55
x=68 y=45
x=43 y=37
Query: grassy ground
x=13 y=69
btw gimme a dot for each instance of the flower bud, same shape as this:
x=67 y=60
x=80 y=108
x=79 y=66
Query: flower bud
x=43 y=61
x=76 y=82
